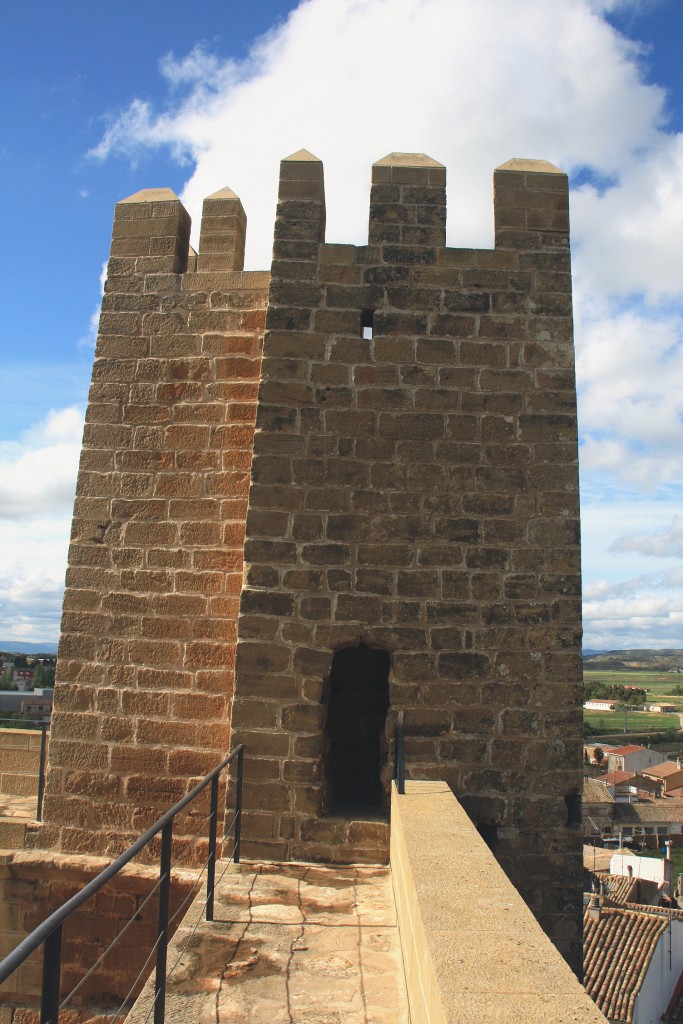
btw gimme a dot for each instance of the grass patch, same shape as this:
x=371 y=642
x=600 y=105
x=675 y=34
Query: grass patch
x=636 y=721
x=658 y=684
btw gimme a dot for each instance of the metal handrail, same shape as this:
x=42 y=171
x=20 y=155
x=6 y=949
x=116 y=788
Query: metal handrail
x=400 y=766
x=49 y=933
x=43 y=726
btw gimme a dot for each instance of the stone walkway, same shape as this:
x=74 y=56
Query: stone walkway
x=23 y=807
x=15 y=813
x=290 y=944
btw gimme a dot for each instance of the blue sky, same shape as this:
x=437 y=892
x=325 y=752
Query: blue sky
x=108 y=100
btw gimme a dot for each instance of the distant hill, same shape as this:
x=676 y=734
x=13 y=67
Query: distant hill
x=632 y=660
x=19 y=647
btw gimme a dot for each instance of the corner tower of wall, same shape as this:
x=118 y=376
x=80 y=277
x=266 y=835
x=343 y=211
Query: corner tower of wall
x=414 y=490
x=146 y=656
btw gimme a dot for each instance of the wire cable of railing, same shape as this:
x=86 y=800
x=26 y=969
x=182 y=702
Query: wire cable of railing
x=142 y=970
x=193 y=889
x=157 y=995
x=193 y=840
x=138 y=911
x=48 y=934
x=181 y=954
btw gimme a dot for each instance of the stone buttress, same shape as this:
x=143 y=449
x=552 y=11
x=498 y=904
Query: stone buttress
x=146 y=656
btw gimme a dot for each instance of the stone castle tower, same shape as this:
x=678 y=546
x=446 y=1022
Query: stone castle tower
x=317 y=501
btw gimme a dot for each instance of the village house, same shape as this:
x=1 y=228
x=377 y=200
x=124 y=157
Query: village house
x=661 y=818
x=620 y=785
x=633 y=758
x=633 y=960
x=669 y=774
x=597 y=808
x=601 y=705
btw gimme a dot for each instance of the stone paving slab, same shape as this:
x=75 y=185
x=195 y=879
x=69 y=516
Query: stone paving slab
x=23 y=807
x=290 y=944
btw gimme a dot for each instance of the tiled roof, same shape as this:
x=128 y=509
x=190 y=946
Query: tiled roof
x=649 y=812
x=616 y=778
x=661 y=771
x=595 y=793
x=629 y=749
x=618 y=949
x=620 y=889
x=616 y=888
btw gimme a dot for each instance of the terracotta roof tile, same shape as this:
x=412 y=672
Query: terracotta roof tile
x=662 y=771
x=629 y=749
x=595 y=792
x=620 y=889
x=649 y=811
x=618 y=949
x=615 y=778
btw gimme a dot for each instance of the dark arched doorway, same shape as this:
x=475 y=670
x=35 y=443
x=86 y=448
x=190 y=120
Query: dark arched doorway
x=358 y=701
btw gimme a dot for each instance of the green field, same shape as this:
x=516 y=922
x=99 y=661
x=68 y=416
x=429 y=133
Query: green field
x=636 y=721
x=658 y=684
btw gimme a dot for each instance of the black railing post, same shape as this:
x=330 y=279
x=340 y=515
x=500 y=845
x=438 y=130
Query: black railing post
x=48 y=934
x=162 y=930
x=238 y=804
x=400 y=760
x=52 y=970
x=211 y=867
x=41 y=771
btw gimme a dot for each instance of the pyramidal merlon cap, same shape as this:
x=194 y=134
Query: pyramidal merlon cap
x=522 y=164
x=407 y=160
x=152 y=195
x=301 y=156
x=223 y=193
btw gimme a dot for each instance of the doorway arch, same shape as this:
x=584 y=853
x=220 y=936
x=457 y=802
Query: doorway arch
x=358 y=702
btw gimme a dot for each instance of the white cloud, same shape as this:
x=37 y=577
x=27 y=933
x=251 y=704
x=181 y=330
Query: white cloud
x=473 y=83
x=32 y=567
x=37 y=485
x=630 y=409
x=662 y=544
x=89 y=339
x=38 y=472
x=639 y=621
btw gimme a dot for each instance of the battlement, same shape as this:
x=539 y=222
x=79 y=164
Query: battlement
x=407 y=211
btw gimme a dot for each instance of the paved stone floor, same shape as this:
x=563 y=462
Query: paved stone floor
x=290 y=944
x=15 y=813
x=23 y=807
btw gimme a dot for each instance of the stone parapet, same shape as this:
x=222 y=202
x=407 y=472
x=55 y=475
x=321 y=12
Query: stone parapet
x=472 y=950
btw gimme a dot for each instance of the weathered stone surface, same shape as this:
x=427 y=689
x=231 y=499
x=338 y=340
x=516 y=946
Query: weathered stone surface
x=413 y=488
x=430 y=504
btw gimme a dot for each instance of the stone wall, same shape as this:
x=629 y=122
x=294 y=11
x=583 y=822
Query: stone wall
x=19 y=761
x=34 y=885
x=146 y=656
x=416 y=491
